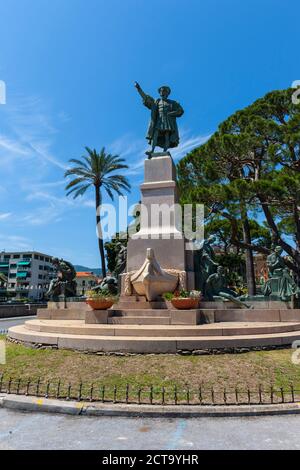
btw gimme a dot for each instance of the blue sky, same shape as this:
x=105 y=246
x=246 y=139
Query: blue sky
x=69 y=68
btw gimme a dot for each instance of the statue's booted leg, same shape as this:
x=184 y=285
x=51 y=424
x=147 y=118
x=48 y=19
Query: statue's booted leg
x=154 y=144
x=167 y=141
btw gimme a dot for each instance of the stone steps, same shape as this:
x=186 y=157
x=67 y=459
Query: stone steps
x=140 y=305
x=163 y=330
x=140 y=313
x=140 y=320
x=62 y=314
x=206 y=315
x=151 y=344
x=256 y=315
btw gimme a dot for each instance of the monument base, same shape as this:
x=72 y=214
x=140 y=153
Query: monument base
x=160 y=224
x=163 y=331
x=157 y=154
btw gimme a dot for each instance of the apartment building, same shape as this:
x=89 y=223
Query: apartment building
x=85 y=281
x=28 y=273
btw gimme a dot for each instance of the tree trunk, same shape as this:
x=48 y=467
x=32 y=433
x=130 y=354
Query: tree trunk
x=250 y=273
x=99 y=230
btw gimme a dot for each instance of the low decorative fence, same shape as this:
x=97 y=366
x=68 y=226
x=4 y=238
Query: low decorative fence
x=150 y=394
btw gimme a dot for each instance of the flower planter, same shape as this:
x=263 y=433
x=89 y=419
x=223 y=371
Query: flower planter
x=185 y=303
x=100 y=304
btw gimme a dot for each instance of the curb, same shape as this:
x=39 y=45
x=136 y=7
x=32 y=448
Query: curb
x=34 y=404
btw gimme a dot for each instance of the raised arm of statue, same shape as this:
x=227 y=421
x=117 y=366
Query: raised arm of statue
x=148 y=101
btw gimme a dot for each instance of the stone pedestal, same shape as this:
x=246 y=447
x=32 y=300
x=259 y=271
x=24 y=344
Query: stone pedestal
x=160 y=222
x=97 y=316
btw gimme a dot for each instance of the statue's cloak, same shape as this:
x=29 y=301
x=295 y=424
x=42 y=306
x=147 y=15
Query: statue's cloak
x=168 y=123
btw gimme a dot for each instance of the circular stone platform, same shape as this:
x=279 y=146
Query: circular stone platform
x=226 y=336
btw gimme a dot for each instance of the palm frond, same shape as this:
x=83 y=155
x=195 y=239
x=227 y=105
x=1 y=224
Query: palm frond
x=99 y=169
x=79 y=162
x=78 y=190
x=79 y=171
x=74 y=182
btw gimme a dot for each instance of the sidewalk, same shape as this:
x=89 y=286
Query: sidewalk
x=24 y=403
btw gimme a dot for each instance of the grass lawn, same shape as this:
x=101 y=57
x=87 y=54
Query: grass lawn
x=225 y=370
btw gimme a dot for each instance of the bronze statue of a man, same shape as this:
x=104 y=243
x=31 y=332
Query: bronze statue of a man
x=64 y=283
x=162 y=130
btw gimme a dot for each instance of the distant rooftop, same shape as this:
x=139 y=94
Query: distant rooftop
x=85 y=274
x=4 y=252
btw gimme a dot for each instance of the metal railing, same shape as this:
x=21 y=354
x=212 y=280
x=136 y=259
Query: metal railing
x=150 y=394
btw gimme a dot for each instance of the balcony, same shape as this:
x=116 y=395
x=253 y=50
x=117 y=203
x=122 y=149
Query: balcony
x=21 y=289
x=24 y=263
x=22 y=275
x=4 y=268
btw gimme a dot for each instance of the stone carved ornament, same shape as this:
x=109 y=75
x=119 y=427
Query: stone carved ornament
x=182 y=285
x=151 y=280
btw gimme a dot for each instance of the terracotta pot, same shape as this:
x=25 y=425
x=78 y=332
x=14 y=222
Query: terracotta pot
x=185 y=304
x=99 y=304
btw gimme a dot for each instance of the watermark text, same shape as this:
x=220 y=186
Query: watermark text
x=296 y=94
x=2 y=352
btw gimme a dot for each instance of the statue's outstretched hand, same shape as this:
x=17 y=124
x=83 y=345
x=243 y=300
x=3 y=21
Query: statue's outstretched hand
x=140 y=91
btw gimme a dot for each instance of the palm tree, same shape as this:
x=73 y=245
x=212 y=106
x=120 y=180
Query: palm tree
x=95 y=170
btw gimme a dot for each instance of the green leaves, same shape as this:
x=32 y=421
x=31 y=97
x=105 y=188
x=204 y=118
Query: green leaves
x=252 y=162
x=95 y=169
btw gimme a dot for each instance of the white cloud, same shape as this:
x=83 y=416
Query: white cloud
x=14 y=243
x=52 y=207
x=134 y=152
x=40 y=186
x=12 y=146
x=30 y=132
x=42 y=150
x=28 y=163
x=187 y=144
x=5 y=215
x=42 y=216
x=126 y=145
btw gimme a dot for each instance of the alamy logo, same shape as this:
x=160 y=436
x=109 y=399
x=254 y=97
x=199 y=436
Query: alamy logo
x=296 y=94
x=2 y=92
x=2 y=353
x=155 y=220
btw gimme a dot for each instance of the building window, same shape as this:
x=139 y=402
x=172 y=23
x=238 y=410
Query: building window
x=16 y=256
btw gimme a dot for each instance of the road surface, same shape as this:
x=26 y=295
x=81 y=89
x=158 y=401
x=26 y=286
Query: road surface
x=6 y=323
x=20 y=430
